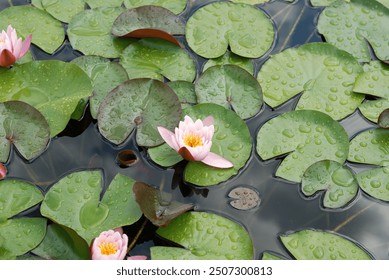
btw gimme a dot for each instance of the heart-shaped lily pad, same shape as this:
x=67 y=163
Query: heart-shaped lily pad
x=231 y=58
x=355 y=26
x=52 y=86
x=375 y=182
x=204 y=236
x=308 y=137
x=139 y=103
x=231 y=87
x=63 y=10
x=244 y=198
x=375 y=83
x=214 y=27
x=176 y=6
x=324 y=73
x=156 y=58
x=24 y=127
x=185 y=92
x=336 y=180
x=103 y=3
x=75 y=202
x=383 y=119
x=90 y=32
x=47 y=32
x=105 y=76
x=321 y=245
x=371 y=147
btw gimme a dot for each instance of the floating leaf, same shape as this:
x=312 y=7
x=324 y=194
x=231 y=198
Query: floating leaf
x=371 y=147
x=47 y=32
x=185 y=92
x=336 y=180
x=176 y=6
x=231 y=58
x=375 y=65
x=320 y=245
x=104 y=3
x=244 y=198
x=52 y=86
x=214 y=27
x=375 y=182
x=329 y=2
x=324 y=73
x=62 y=243
x=75 y=202
x=308 y=137
x=90 y=33
x=231 y=87
x=269 y=256
x=157 y=210
x=63 y=10
x=383 y=120
x=105 y=76
x=156 y=58
x=149 y=21
x=164 y=155
x=37 y=4
x=375 y=83
x=204 y=236
x=139 y=103
x=355 y=26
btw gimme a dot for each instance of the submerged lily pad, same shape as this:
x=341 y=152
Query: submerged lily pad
x=307 y=137
x=47 y=32
x=90 y=33
x=324 y=73
x=383 y=119
x=176 y=6
x=204 y=236
x=375 y=83
x=185 y=92
x=103 y=3
x=156 y=58
x=24 y=127
x=52 y=86
x=105 y=76
x=355 y=26
x=370 y=147
x=244 y=198
x=375 y=182
x=214 y=27
x=75 y=202
x=231 y=87
x=336 y=180
x=231 y=58
x=320 y=245
x=63 y=10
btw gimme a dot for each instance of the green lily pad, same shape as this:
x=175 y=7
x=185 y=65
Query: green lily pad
x=375 y=65
x=231 y=140
x=308 y=137
x=156 y=58
x=336 y=180
x=370 y=147
x=26 y=234
x=375 y=83
x=375 y=182
x=62 y=243
x=63 y=10
x=185 y=92
x=383 y=119
x=90 y=33
x=204 y=236
x=24 y=127
x=324 y=73
x=329 y=2
x=105 y=76
x=139 y=103
x=355 y=26
x=269 y=256
x=214 y=27
x=176 y=6
x=164 y=155
x=47 y=32
x=231 y=58
x=37 y=4
x=231 y=87
x=320 y=245
x=104 y=3
x=52 y=86
x=75 y=202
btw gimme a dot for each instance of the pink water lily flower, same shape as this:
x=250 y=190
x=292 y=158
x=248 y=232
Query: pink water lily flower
x=193 y=141
x=110 y=245
x=11 y=47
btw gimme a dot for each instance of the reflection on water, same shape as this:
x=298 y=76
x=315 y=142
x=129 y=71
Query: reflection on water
x=283 y=208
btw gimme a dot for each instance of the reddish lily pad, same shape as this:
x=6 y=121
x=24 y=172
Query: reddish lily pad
x=176 y=6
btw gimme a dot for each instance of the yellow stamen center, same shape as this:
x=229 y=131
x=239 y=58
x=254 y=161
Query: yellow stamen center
x=193 y=140
x=108 y=248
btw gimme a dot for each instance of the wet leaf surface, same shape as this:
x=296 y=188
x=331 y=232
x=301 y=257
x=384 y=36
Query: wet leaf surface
x=176 y=6
x=231 y=58
x=63 y=10
x=204 y=236
x=383 y=119
x=164 y=155
x=185 y=92
x=269 y=256
x=375 y=182
x=244 y=198
x=103 y=3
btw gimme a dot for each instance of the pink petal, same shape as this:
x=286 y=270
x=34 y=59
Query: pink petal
x=6 y=58
x=208 y=121
x=3 y=171
x=169 y=137
x=141 y=258
x=215 y=160
x=25 y=46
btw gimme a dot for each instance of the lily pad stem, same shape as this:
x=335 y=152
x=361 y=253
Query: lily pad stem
x=132 y=244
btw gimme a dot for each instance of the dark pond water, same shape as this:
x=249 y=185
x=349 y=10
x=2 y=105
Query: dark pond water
x=283 y=208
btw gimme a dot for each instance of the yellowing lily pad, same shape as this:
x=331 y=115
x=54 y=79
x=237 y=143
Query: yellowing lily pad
x=322 y=72
x=214 y=27
x=306 y=137
x=204 y=236
x=375 y=182
x=231 y=58
x=176 y=6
